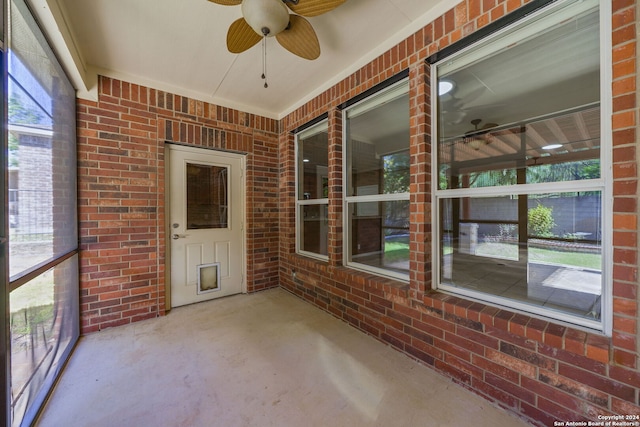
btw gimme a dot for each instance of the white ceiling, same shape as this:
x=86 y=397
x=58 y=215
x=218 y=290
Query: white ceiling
x=180 y=46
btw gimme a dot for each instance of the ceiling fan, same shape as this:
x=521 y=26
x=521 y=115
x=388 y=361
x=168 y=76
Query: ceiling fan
x=479 y=136
x=271 y=18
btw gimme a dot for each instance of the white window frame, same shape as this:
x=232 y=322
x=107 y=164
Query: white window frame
x=389 y=93
x=319 y=127
x=604 y=185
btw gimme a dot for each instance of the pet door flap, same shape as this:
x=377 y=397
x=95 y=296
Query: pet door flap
x=208 y=277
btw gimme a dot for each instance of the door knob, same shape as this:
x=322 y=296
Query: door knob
x=178 y=236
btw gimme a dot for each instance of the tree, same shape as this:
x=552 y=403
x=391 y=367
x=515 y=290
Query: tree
x=19 y=114
x=396 y=179
x=569 y=171
x=396 y=173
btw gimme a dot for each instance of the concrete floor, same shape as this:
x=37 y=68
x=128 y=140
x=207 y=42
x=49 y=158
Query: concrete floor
x=266 y=359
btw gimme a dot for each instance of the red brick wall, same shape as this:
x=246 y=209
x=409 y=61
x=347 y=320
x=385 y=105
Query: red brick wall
x=121 y=181
x=538 y=369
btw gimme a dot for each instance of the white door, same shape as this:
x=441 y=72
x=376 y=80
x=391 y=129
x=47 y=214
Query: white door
x=206 y=215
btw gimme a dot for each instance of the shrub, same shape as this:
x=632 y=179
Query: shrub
x=540 y=221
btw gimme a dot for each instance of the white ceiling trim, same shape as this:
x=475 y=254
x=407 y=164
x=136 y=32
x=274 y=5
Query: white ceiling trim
x=182 y=91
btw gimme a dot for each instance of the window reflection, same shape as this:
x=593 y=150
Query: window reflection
x=312 y=205
x=313 y=163
x=380 y=234
x=564 y=147
x=315 y=222
x=520 y=185
x=548 y=253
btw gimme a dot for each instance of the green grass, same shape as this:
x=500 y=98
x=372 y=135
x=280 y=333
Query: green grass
x=26 y=320
x=36 y=237
x=32 y=306
x=38 y=292
x=510 y=251
x=398 y=250
x=577 y=259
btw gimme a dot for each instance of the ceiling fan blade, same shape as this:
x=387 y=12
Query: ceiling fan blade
x=299 y=38
x=482 y=107
x=227 y=2
x=314 y=7
x=241 y=36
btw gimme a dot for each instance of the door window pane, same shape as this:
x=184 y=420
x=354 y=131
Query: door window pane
x=207 y=197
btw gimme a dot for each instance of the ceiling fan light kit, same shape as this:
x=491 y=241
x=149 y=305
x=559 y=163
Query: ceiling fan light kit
x=266 y=17
x=445 y=86
x=478 y=137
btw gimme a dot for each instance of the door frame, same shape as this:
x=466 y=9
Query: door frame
x=168 y=146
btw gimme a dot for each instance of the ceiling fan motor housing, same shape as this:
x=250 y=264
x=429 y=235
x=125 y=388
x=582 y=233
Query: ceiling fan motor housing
x=266 y=17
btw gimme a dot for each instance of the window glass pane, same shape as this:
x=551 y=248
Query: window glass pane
x=541 y=250
x=44 y=311
x=314 y=229
x=395 y=172
x=378 y=147
x=313 y=163
x=207 y=205
x=522 y=108
x=379 y=234
x=44 y=327
x=388 y=175
x=480 y=220
x=521 y=112
x=312 y=181
x=42 y=160
x=565 y=147
x=377 y=182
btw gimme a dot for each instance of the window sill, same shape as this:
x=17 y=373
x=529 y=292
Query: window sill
x=313 y=256
x=370 y=281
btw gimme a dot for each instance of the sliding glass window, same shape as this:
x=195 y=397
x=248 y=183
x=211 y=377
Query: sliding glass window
x=520 y=185
x=43 y=235
x=312 y=191
x=376 y=165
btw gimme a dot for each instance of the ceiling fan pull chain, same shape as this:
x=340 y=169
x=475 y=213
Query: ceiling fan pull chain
x=264 y=60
